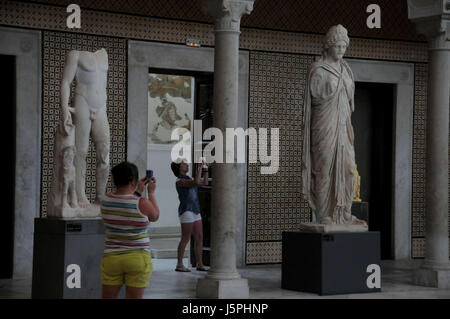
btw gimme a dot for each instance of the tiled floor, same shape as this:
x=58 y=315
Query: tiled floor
x=264 y=282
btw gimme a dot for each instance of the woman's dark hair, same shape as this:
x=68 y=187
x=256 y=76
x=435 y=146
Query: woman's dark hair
x=124 y=173
x=175 y=168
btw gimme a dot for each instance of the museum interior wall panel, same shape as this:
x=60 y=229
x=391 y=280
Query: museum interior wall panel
x=55 y=47
x=286 y=15
x=115 y=28
x=144 y=28
x=289 y=42
x=22 y=47
x=32 y=15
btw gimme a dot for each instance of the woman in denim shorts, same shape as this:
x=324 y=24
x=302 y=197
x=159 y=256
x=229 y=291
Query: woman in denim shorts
x=189 y=211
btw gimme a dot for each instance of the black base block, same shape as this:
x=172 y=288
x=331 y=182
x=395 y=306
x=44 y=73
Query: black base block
x=330 y=263
x=59 y=243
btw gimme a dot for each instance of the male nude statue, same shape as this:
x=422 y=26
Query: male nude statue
x=90 y=71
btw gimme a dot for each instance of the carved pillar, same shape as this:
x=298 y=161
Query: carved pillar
x=432 y=18
x=223 y=280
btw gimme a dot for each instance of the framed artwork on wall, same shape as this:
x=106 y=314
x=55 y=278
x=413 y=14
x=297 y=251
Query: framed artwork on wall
x=170 y=107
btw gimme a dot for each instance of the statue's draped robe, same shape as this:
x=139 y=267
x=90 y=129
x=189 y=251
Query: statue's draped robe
x=328 y=159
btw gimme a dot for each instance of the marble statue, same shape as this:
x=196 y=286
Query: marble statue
x=89 y=69
x=328 y=159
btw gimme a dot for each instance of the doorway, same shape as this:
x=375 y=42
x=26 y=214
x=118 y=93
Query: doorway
x=373 y=127
x=8 y=77
x=204 y=111
x=177 y=99
x=144 y=56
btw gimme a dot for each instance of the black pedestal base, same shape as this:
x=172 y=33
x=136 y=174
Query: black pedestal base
x=327 y=264
x=59 y=243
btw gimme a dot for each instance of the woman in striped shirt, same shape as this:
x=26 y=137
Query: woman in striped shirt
x=127 y=216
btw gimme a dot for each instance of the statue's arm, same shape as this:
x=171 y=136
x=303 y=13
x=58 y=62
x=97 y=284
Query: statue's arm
x=317 y=83
x=70 y=71
x=351 y=93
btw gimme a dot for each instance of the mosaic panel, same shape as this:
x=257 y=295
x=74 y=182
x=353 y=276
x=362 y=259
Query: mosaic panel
x=419 y=149
x=418 y=247
x=264 y=253
x=419 y=160
x=277 y=85
x=32 y=15
x=55 y=47
x=311 y=16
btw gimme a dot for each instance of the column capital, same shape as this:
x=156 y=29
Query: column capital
x=227 y=13
x=432 y=19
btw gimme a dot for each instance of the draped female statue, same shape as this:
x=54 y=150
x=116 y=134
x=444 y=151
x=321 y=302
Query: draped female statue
x=328 y=159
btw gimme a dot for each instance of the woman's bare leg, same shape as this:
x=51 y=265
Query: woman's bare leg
x=110 y=292
x=186 y=231
x=134 y=293
x=198 y=236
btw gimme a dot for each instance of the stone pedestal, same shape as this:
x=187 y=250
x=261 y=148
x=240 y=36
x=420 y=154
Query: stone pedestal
x=223 y=280
x=323 y=228
x=92 y=211
x=332 y=263
x=222 y=289
x=432 y=277
x=59 y=243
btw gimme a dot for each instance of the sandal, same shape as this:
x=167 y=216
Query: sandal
x=202 y=269
x=182 y=269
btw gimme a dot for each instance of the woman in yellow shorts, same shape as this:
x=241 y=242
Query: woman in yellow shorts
x=127 y=216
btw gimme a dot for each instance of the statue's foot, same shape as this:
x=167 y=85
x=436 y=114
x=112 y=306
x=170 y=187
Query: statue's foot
x=356 y=221
x=73 y=205
x=84 y=203
x=326 y=221
x=98 y=201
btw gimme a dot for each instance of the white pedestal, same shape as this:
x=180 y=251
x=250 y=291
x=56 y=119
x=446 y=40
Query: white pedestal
x=324 y=228
x=432 y=278
x=208 y=288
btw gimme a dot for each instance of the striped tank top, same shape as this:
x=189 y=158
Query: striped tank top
x=126 y=228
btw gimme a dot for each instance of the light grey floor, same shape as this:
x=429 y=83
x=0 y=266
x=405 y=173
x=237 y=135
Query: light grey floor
x=264 y=282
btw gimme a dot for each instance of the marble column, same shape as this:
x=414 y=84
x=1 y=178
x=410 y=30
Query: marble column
x=223 y=280
x=432 y=18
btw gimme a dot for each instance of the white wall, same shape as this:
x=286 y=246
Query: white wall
x=25 y=45
x=166 y=194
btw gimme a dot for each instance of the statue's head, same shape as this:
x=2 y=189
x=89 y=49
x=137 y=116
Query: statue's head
x=336 y=42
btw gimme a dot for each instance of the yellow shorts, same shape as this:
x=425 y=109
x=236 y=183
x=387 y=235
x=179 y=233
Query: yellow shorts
x=132 y=268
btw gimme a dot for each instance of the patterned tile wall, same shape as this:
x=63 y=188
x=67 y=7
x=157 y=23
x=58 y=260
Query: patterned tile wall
x=419 y=149
x=263 y=252
x=277 y=86
x=418 y=247
x=55 y=47
x=419 y=161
